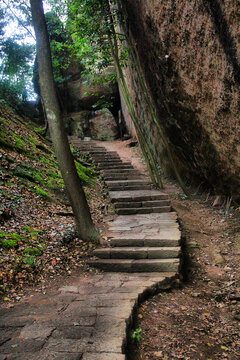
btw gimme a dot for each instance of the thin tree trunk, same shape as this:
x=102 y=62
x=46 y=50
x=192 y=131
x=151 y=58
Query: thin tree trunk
x=85 y=227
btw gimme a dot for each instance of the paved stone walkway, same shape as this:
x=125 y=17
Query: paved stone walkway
x=88 y=319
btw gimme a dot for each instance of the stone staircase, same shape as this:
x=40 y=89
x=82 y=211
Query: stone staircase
x=145 y=237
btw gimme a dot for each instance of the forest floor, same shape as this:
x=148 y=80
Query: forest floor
x=38 y=243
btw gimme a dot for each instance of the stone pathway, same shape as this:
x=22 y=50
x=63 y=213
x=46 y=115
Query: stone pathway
x=88 y=319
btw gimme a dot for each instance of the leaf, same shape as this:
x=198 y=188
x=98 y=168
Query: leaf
x=224 y=348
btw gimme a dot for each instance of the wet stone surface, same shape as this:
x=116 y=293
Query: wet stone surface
x=91 y=325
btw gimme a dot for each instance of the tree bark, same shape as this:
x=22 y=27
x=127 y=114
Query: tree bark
x=84 y=224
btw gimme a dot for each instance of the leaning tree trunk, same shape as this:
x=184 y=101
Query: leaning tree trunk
x=85 y=227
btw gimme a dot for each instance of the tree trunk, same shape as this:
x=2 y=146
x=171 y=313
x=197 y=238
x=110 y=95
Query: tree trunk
x=85 y=227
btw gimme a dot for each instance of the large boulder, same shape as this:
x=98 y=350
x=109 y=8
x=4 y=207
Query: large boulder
x=77 y=124
x=99 y=125
x=103 y=125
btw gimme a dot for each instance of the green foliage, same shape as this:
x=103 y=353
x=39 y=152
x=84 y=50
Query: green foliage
x=30 y=261
x=20 y=172
x=89 y=34
x=10 y=91
x=40 y=130
x=10 y=240
x=33 y=251
x=11 y=236
x=86 y=175
x=136 y=335
x=9 y=243
x=42 y=192
x=16 y=58
x=33 y=233
x=15 y=70
x=61 y=45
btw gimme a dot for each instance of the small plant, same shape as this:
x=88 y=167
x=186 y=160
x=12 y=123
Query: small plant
x=33 y=251
x=9 y=243
x=183 y=197
x=10 y=240
x=22 y=173
x=40 y=130
x=32 y=233
x=42 y=192
x=136 y=335
x=29 y=260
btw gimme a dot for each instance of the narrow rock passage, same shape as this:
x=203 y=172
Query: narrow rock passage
x=88 y=319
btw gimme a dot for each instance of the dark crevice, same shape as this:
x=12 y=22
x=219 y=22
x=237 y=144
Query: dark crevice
x=225 y=36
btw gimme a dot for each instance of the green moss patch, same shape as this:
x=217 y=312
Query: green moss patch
x=33 y=251
x=42 y=193
x=10 y=240
x=9 y=243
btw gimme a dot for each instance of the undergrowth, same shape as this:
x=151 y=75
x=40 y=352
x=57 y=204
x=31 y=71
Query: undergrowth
x=25 y=155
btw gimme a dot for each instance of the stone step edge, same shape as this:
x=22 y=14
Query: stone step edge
x=138 y=252
x=116 y=166
x=137 y=198
x=130 y=187
x=143 y=210
x=125 y=171
x=156 y=283
x=169 y=281
x=122 y=242
x=132 y=182
x=142 y=204
x=132 y=265
x=122 y=177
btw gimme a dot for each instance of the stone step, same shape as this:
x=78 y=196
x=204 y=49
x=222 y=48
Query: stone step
x=110 y=163
x=138 y=252
x=137 y=196
x=130 y=187
x=117 y=167
x=128 y=182
x=139 y=204
x=129 y=265
x=107 y=155
x=145 y=210
x=104 y=159
x=91 y=148
x=150 y=242
x=110 y=172
x=122 y=177
x=99 y=152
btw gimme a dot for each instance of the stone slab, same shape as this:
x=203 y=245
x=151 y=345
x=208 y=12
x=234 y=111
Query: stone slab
x=143 y=210
x=103 y=356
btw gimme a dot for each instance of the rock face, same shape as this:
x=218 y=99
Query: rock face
x=77 y=94
x=99 y=125
x=77 y=124
x=189 y=53
x=103 y=126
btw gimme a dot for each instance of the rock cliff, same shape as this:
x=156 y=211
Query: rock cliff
x=189 y=56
